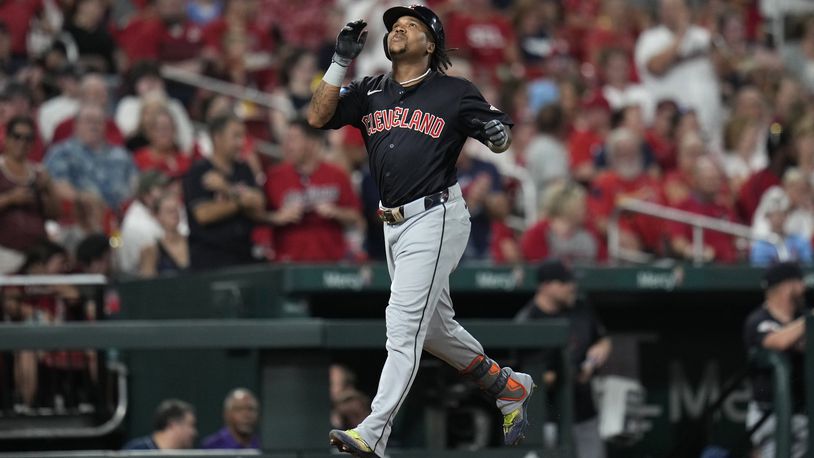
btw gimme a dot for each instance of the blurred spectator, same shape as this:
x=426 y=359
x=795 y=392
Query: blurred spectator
x=563 y=232
x=626 y=178
x=144 y=81
x=803 y=131
x=782 y=155
x=618 y=88
x=374 y=235
x=86 y=25
x=93 y=90
x=237 y=46
x=87 y=167
x=222 y=199
x=589 y=348
x=170 y=252
x=311 y=202
x=791 y=247
x=17 y=16
x=174 y=427
x=503 y=245
x=588 y=135
x=482 y=188
x=614 y=28
x=661 y=133
x=677 y=183
x=140 y=226
x=799 y=57
x=162 y=153
x=167 y=36
x=27 y=195
x=741 y=137
x=294 y=92
x=61 y=107
x=18 y=100
x=778 y=325
x=546 y=156
x=340 y=379
x=240 y=413
x=7 y=64
x=705 y=199
x=202 y=12
x=800 y=219
x=536 y=25
x=485 y=37
x=673 y=60
x=350 y=408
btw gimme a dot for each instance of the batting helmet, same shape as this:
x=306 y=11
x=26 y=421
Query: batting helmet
x=423 y=14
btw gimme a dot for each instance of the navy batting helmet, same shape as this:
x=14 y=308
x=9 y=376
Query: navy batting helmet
x=427 y=17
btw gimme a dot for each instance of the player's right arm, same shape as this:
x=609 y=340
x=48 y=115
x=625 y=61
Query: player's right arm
x=349 y=44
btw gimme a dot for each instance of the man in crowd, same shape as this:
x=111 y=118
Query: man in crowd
x=589 y=349
x=222 y=201
x=778 y=325
x=173 y=428
x=240 y=413
x=312 y=201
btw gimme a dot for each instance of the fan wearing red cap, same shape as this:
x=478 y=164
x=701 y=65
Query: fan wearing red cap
x=414 y=121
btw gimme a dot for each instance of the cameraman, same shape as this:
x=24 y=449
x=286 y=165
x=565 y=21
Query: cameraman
x=778 y=325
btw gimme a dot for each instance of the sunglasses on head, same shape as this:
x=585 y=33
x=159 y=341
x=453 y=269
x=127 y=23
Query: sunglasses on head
x=22 y=137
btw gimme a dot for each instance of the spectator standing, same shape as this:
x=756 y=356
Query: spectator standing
x=27 y=195
x=222 y=200
x=778 y=325
x=173 y=428
x=87 y=27
x=546 y=155
x=311 y=202
x=589 y=348
x=673 y=60
x=240 y=414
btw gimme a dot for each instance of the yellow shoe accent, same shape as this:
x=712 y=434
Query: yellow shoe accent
x=359 y=441
x=351 y=442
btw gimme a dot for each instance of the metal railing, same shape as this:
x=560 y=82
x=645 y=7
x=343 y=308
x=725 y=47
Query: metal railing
x=699 y=224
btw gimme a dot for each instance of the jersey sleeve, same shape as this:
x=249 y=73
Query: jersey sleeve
x=474 y=110
x=757 y=327
x=350 y=108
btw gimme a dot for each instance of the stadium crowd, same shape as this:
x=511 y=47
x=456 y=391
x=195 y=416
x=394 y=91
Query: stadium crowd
x=697 y=106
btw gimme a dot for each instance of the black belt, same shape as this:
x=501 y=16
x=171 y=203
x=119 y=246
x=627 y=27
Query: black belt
x=397 y=215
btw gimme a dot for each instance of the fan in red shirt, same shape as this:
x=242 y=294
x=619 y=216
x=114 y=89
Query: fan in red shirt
x=18 y=15
x=564 y=232
x=589 y=133
x=614 y=28
x=162 y=154
x=705 y=199
x=166 y=36
x=626 y=178
x=782 y=155
x=675 y=187
x=484 y=36
x=311 y=201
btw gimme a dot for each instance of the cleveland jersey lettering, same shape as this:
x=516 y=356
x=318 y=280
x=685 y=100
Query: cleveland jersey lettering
x=413 y=135
x=400 y=118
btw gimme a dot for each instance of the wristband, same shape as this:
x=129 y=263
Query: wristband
x=335 y=75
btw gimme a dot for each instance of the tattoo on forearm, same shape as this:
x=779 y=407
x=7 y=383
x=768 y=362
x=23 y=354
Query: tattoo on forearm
x=324 y=101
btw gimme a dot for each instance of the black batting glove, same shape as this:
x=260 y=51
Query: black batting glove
x=495 y=133
x=350 y=42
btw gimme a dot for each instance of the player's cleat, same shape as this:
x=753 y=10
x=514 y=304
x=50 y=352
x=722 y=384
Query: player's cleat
x=351 y=442
x=516 y=421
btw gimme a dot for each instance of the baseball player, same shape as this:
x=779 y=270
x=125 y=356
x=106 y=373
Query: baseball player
x=414 y=121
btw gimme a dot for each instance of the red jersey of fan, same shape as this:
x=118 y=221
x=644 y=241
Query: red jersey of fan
x=214 y=32
x=17 y=16
x=722 y=244
x=173 y=165
x=608 y=188
x=153 y=39
x=484 y=39
x=313 y=238
x=583 y=146
x=751 y=192
x=501 y=232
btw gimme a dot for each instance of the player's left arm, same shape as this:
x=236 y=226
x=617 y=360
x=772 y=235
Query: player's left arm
x=482 y=121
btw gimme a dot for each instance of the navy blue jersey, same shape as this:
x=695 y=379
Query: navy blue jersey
x=414 y=135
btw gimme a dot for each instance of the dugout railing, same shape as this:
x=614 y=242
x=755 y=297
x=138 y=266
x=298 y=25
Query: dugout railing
x=294 y=387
